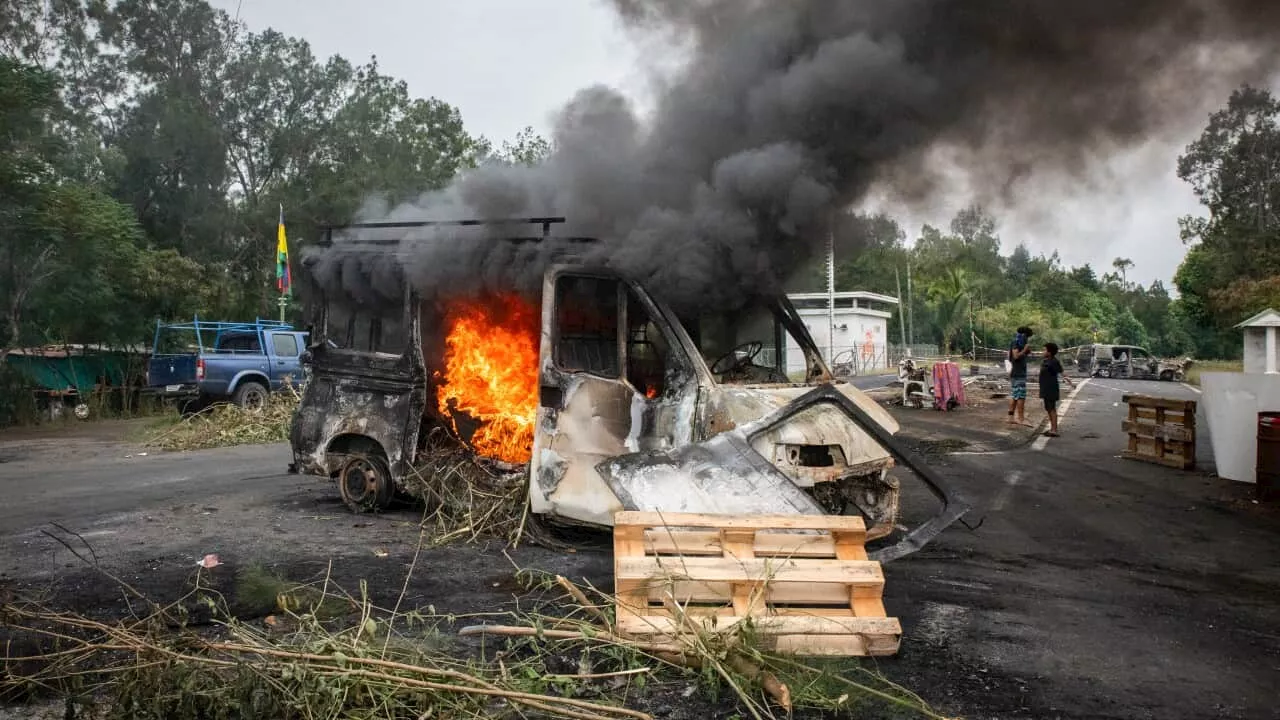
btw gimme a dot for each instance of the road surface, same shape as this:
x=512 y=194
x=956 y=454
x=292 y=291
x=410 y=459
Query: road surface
x=1090 y=586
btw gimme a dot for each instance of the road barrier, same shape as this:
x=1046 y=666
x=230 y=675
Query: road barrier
x=1161 y=431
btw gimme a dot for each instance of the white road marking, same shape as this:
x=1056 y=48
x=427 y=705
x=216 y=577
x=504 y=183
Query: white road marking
x=1192 y=388
x=1043 y=440
x=1010 y=482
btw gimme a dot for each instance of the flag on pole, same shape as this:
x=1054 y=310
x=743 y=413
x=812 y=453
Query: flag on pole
x=283 y=279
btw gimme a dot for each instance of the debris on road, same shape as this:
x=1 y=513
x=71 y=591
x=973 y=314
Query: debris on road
x=294 y=664
x=225 y=424
x=209 y=561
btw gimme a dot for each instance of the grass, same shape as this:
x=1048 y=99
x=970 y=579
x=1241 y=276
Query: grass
x=324 y=652
x=561 y=659
x=1203 y=366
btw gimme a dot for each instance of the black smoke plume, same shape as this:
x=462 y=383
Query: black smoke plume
x=788 y=112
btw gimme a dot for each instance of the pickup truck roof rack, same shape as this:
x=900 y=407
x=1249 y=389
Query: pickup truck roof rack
x=199 y=327
x=545 y=222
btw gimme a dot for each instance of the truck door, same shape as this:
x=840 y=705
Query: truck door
x=285 y=351
x=614 y=378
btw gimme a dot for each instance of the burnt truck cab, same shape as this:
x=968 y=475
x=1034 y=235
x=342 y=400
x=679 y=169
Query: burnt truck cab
x=638 y=408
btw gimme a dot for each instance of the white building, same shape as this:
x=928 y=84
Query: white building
x=1260 y=347
x=859 y=333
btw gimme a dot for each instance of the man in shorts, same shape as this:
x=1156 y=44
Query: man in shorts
x=1018 y=352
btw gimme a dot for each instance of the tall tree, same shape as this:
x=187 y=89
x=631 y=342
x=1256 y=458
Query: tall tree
x=1234 y=169
x=1122 y=266
x=950 y=296
x=71 y=253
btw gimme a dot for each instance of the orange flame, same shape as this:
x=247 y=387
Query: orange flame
x=491 y=373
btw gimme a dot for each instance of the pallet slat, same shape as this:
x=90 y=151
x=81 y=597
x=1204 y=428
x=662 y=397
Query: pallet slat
x=774 y=624
x=1170 y=433
x=775 y=593
x=1185 y=406
x=756 y=522
x=707 y=542
x=810 y=591
x=745 y=570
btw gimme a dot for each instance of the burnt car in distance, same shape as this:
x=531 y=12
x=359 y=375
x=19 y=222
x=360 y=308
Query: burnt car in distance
x=607 y=396
x=1126 y=362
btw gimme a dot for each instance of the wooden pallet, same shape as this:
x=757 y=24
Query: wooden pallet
x=1161 y=431
x=805 y=594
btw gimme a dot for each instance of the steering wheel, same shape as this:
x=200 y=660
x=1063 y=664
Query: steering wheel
x=737 y=357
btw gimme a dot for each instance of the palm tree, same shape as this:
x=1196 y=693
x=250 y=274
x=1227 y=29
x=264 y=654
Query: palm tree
x=949 y=295
x=1122 y=265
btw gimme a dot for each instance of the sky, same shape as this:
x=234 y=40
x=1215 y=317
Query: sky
x=507 y=64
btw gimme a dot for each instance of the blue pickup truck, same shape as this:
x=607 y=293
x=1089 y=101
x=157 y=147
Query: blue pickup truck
x=208 y=362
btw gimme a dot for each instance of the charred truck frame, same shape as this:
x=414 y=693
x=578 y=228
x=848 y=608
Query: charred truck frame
x=638 y=408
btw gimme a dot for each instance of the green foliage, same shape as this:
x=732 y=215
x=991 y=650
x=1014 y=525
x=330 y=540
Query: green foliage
x=146 y=147
x=529 y=149
x=1230 y=269
x=949 y=297
x=1128 y=330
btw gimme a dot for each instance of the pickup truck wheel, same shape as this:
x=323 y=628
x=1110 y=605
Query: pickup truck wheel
x=250 y=395
x=365 y=483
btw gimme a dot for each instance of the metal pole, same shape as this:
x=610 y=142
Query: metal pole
x=902 y=317
x=831 y=293
x=973 y=337
x=911 y=311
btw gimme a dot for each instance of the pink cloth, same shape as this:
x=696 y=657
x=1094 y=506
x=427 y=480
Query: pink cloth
x=947 y=385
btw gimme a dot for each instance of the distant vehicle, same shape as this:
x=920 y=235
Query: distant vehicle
x=207 y=362
x=1128 y=362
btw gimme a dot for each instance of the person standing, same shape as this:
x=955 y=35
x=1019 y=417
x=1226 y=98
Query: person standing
x=1018 y=352
x=1050 y=371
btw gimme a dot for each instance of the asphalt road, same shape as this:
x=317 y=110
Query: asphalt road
x=1091 y=587
x=1097 y=587
x=114 y=480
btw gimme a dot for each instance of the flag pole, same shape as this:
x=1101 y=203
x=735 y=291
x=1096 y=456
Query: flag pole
x=286 y=286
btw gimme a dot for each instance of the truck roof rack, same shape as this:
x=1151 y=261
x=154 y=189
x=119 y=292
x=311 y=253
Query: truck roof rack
x=218 y=328
x=545 y=222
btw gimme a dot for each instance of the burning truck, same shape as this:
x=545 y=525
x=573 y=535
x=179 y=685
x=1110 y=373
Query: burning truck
x=607 y=397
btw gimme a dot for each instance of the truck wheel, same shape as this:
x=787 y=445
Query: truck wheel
x=250 y=395
x=1167 y=376
x=365 y=484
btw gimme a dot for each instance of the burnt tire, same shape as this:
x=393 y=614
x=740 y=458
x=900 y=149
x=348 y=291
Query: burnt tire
x=365 y=484
x=250 y=395
x=1167 y=376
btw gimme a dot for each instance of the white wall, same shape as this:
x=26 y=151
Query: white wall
x=862 y=327
x=1232 y=402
